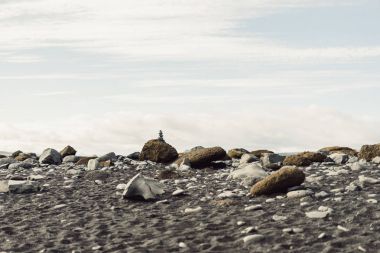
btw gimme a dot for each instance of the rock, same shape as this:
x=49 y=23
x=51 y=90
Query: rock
x=68 y=151
x=272 y=161
x=202 y=158
x=107 y=157
x=178 y=192
x=236 y=153
x=227 y=194
x=279 y=181
x=252 y=238
x=368 y=152
x=253 y=208
x=142 y=187
x=97 y=175
x=316 y=214
x=23 y=186
x=7 y=161
x=71 y=159
x=368 y=180
x=248 y=158
x=193 y=210
x=304 y=159
x=339 y=158
x=259 y=153
x=376 y=160
x=93 y=164
x=104 y=164
x=158 y=151
x=252 y=170
x=134 y=156
x=338 y=150
x=20 y=165
x=22 y=157
x=16 y=153
x=353 y=187
x=4 y=186
x=84 y=160
x=299 y=193
x=50 y=156
x=279 y=217
x=121 y=187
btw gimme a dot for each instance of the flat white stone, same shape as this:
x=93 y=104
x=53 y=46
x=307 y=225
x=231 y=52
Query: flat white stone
x=248 y=230
x=240 y=223
x=322 y=235
x=121 y=186
x=342 y=228
x=279 y=217
x=227 y=194
x=193 y=210
x=253 y=207
x=182 y=245
x=178 y=192
x=299 y=193
x=368 y=180
x=252 y=238
x=372 y=201
x=316 y=214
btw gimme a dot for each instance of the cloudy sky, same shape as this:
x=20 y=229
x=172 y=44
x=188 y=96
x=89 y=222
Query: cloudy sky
x=287 y=75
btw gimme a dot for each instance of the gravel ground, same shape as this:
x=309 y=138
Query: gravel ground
x=75 y=213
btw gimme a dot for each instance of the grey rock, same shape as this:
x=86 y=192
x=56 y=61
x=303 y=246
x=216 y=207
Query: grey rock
x=272 y=161
x=142 y=187
x=50 y=156
x=339 y=158
x=71 y=159
x=23 y=186
x=6 y=161
x=20 y=165
x=134 y=156
x=93 y=164
x=253 y=170
x=108 y=157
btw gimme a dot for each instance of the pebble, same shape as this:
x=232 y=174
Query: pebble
x=279 y=217
x=193 y=210
x=316 y=214
x=372 y=201
x=322 y=235
x=182 y=245
x=121 y=186
x=369 y=180
x=252 y=238
x=248 y=230
x=343 y=228
x=253 y=207
x=270 y=200
x=362 y=249
x=227 y=194
x=321 y=194
x=298 y=194
x=178 y=192
x=240 y=223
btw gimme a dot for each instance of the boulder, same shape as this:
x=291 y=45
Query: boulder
x=272 y=161
x=260 y=152
x=16 y=153
x=339 y=158
x=93 y=164
x=108 y=157
x=201 y=158
x=236 y=153
x=143 y=188
x=279 y=181
x=50 y=156
x=84 y=160
x=20 y=165
x=68 y=150
x=158 y=151
x=247 y=158
x=251 y=170
x=304 y=159
x=20 y=187
x=134 y=156
x=337 y=149
x=22 y=157
x=368 y=152
x=71 y=159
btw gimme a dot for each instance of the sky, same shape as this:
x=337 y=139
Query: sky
x=289 y=75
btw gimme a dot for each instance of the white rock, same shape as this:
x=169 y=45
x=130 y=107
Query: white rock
x=270 y=200
x=322 y=235
x=140 y=186
x=248 y=230
x=248 y=158
x=368 y=180
x=279 y=217
x=316 y=214
x=372 y=201
x=193 y=210
x=376 y=159
x=252 y=238
x=253 y=207
x=121 y=186
x=58 y=206
x=299 y=193
x=178 y=192
x=321 y=194
x=227 y=194
x=339 y=158
x=182 y=245
x=240 y=223
x=343 y=228
x=253 y=170
x=325 y=209
x=93 y=164
x=362 y=249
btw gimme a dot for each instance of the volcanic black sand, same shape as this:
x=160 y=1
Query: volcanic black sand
x=75 y=213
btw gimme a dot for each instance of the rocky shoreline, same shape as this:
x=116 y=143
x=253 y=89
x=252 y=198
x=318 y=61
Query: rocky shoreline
x=201 y=200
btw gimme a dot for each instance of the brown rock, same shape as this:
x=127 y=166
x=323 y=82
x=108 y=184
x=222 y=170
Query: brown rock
x=22 y=157
x=68 y=151
x=236 y=153
x=158 y=151
x=84 y=160
x=279 y=181
x=201 y=158
x=304 y=159
x=259 y=153
x=337 y=149
x=368 y=152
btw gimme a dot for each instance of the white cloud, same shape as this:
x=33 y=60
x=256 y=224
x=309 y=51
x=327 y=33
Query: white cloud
x=281 y=129
x=160 y=30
